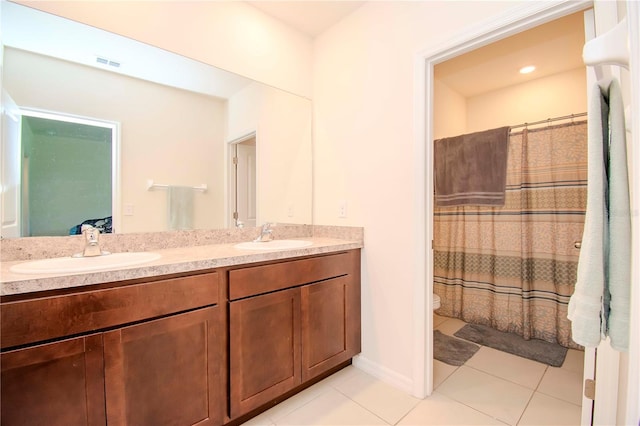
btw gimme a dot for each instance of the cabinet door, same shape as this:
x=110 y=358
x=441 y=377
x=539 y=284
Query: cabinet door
x=59 y=383
x=166 y=371
x=264 y=333
x=330 y=324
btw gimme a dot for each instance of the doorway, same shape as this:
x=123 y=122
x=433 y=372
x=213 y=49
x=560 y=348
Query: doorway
x=66 y=173
x=505 y=26
x=488 y=260
x=513 y=23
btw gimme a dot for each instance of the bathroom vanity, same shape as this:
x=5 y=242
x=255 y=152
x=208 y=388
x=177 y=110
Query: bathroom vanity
x=205 y=345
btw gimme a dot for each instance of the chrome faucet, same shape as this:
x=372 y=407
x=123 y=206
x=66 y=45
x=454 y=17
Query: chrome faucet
x=91 y=241
x=266 y=233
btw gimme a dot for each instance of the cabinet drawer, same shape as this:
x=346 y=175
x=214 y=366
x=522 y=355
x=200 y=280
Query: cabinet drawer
x=247 y=282
x=29 y=321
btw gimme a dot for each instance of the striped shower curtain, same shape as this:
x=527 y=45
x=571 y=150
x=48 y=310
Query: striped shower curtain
x=514 y=267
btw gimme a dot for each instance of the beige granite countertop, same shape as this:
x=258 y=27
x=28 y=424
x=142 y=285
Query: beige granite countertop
x=172 y=260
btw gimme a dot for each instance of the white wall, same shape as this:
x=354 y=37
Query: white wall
x=364 y=153
x=547 y=97
x=231 y=35
x=282 y=123
x=449 y=113
x=553 y=96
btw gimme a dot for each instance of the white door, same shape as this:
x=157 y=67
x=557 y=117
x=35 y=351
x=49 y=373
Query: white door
x=11 y=152
x=246 y=182
x=243 y=188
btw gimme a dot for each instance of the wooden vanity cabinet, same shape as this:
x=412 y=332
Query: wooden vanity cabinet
x=290 y=322
x=164 y=372
x=330 y=324
x=148 y=354
x=264 y=351
x=201 y=349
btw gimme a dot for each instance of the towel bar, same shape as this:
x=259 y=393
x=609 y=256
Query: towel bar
x=152 y=185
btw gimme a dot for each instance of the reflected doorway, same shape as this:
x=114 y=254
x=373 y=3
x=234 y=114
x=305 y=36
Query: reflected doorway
x=243 y=188
x=66 y=174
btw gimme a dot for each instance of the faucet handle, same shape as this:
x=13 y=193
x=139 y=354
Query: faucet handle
x=91 y=237
x=265 y=233
x=91 y=234
x=86 y=227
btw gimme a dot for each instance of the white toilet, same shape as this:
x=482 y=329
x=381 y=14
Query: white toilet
x=436 y=301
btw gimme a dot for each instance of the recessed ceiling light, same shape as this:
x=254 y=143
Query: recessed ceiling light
x=527 y=69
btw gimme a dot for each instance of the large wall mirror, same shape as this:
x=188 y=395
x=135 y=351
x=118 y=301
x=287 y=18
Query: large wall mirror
x=92 y=119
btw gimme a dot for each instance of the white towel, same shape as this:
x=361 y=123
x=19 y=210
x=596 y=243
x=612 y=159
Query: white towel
x=600 y=303
x=180 y=202
x=585 y=305
x=619 y=284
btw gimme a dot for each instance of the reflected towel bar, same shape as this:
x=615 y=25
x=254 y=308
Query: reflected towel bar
x=152 y=185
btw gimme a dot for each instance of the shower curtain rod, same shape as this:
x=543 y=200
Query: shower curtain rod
x=549 y=120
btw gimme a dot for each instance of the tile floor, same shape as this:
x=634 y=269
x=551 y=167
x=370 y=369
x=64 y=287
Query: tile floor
x=492 y=388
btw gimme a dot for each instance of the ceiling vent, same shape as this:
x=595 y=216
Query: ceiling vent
x=108 y=62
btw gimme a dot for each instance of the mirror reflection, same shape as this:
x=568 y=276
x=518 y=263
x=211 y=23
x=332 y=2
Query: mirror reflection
x=123 y=113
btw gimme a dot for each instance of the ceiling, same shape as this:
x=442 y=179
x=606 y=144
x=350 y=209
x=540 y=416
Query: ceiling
x=308 y=17
x=553 y=48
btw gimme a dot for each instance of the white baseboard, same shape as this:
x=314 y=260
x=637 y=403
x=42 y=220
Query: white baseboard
x=403 y=383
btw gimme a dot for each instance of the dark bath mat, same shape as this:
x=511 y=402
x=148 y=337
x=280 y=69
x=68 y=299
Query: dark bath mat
x=537 y=350
x=451 y=350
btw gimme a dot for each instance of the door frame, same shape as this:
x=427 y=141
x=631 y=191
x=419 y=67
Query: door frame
x=10 y=176
x=632 y=412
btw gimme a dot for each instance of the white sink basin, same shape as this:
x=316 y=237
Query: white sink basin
x=84 y=264
x=273 y=245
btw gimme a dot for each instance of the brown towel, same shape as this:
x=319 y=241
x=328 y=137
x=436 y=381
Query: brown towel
x=471 y=169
